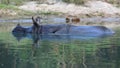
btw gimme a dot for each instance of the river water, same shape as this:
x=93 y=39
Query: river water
x=29 y=51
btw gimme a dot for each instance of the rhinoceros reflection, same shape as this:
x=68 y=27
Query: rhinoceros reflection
x=51 y=37
x=56 y=38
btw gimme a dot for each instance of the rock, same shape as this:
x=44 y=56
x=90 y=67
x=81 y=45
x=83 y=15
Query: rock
x=91 y=7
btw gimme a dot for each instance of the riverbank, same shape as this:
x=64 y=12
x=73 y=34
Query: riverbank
x=89 y=9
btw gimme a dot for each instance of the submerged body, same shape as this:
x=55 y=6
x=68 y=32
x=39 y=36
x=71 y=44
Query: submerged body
x=65 y=29
x=62 y=29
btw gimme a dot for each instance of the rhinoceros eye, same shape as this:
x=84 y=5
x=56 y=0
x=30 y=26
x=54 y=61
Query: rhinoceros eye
x=19 y=29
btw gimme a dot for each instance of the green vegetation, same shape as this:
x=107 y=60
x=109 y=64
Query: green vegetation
x=79 y=2
x=20 y=2
x=12 y=10
x=6 y=9
x=117 y=2
x=3 y=6
x=75 y=1
x=9 y=7
x=12 y=2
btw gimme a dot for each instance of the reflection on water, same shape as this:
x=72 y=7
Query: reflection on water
x=36 y=38
x=36 y=51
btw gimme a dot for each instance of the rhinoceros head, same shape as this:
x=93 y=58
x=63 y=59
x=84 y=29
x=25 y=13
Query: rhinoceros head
x=36 y=28
x=19 y=29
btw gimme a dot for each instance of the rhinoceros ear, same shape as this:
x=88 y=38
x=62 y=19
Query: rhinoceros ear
x=18 y=24
x=34 y=21
x=38 y=19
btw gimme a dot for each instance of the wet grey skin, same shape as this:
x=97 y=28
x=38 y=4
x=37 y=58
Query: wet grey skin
x=63 y=29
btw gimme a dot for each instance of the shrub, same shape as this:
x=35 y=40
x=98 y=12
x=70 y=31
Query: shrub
x=78 y=2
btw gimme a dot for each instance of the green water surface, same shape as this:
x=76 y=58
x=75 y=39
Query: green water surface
x=25 y=53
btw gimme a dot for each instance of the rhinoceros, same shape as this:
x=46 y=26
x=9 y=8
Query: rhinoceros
x=62 y=29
